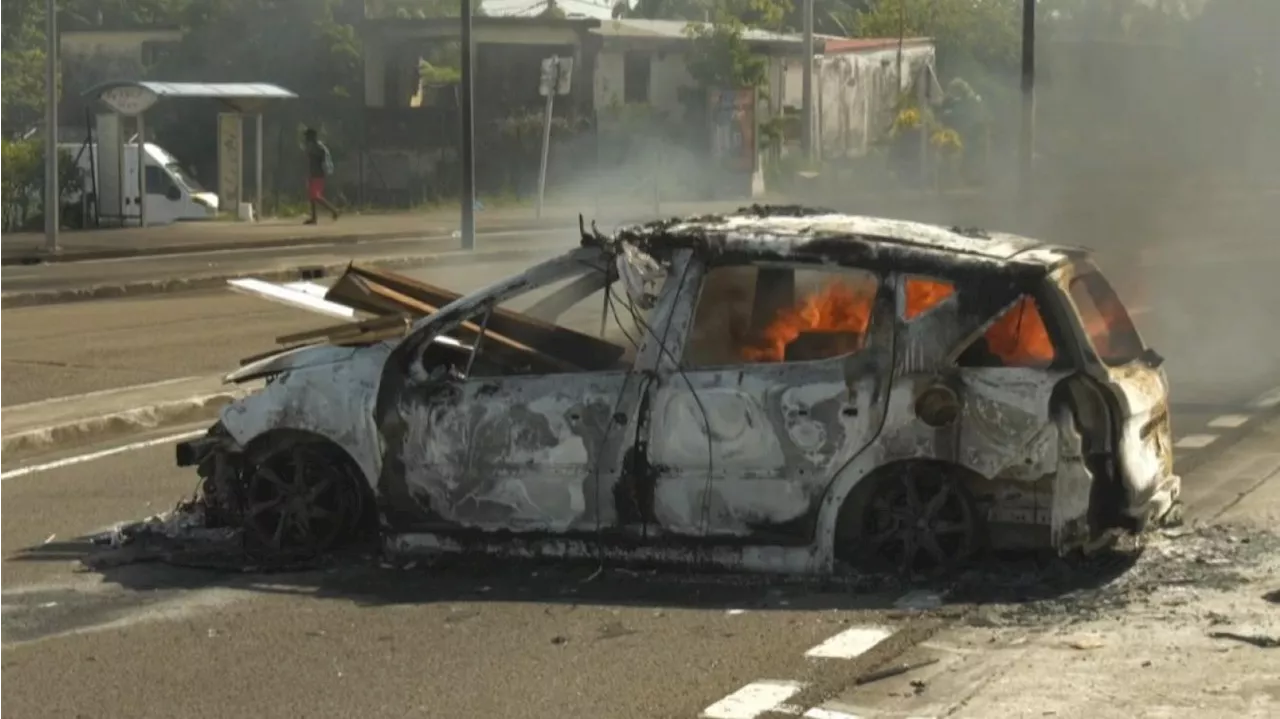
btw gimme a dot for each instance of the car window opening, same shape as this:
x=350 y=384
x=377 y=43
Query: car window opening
x=778 y=314
x=1106 y=321
x=1018 y=338
x=582 y=324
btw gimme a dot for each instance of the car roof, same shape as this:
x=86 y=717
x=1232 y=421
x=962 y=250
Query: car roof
x=778 y=232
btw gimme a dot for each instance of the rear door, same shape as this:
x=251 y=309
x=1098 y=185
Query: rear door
x=780 y=384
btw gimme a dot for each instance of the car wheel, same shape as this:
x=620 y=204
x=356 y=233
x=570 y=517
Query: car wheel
x=920 y=520
x=301 y=500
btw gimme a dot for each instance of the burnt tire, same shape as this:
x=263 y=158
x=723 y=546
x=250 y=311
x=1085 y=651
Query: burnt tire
x=302 y=498
x=918 y=520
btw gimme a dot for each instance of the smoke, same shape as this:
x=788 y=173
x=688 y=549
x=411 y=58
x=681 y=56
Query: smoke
x=1156 y=146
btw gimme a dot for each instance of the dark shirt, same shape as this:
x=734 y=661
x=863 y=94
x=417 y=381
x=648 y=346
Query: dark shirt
x=315 y=159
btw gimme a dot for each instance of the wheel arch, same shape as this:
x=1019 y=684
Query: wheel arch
x=283 y=438
x=853 y=484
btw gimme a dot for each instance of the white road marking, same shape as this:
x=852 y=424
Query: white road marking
x=1195 y=441
x=92 y=456
x=753 y=700
x=1229 y=421
x=1268 y=400
x=850 y=643
x=98 y=393
x=820 y=713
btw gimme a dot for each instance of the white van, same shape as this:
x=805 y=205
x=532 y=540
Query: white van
x=172 y=194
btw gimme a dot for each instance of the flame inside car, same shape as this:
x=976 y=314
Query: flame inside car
x=839 y=307
x=1018 y=338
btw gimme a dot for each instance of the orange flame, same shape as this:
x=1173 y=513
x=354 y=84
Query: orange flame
x=838 y=307
x=1018 y=338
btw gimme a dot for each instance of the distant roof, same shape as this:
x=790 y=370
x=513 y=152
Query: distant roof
x=220 y=90
x=675 y=30
x=866 y=44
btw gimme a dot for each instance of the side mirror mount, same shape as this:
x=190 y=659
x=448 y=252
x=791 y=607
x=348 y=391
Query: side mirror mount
x=173 y=193
x=1152 y=358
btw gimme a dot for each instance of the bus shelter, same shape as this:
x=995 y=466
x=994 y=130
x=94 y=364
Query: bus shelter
x=121 y=192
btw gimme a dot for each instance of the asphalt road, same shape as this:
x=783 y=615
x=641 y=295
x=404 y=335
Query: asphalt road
x=456 y=639
x=60 y=350
x=136 y=270
x=148 y=641
x=463 y=639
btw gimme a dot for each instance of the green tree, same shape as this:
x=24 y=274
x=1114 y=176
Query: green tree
x=965 y=32
x=22 y=64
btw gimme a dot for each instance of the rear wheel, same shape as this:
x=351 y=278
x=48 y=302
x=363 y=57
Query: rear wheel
x=920 y=519
x=302 y=499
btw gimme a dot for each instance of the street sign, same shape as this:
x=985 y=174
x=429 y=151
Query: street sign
x=566 y=73
x=557 y=72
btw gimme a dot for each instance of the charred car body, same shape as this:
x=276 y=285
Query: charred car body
x=776 y=390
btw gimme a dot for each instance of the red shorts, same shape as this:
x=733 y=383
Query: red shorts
x=315 y=188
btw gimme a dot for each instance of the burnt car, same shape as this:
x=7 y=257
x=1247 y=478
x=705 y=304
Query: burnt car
x=779 y=390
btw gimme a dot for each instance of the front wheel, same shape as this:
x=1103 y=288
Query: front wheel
x=302 y=499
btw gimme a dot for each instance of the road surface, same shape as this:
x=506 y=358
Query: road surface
x=464 y=639
x=455 y=639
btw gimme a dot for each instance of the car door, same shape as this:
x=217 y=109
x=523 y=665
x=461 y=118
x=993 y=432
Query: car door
x=781 y=381
x=530 y=451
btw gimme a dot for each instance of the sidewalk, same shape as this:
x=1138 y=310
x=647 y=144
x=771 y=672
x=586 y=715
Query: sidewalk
x=98 y=416
x=28 y=247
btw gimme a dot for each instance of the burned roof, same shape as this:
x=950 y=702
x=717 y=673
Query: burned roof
x=763 y=232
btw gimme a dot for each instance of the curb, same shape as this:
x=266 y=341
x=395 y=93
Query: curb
x=428 y=232
x=131 y=421
x=215 y=281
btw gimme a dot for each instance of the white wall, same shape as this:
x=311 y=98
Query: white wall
x=667 y=75
x=854 y=93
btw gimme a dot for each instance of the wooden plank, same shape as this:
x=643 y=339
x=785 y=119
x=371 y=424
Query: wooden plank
x=370 y=325
x=489 y=334
x=539 y=335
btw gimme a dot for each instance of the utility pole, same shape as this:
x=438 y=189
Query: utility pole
x=52 y=201
x=467 y=119
x=1027 y=134
x=806 y=101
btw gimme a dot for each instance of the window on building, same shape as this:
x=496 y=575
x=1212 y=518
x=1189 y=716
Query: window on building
x=635 y=76
x=752 y=315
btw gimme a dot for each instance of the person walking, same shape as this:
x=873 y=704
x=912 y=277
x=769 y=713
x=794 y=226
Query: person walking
x=319 y=167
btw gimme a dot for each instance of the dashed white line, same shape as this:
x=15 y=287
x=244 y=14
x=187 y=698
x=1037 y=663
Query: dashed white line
x=821 y=713
x=850 y=643
x=80 y=459
x=1267 y=400
x=1229 y=421
x=753 y=700
x=1194 y=442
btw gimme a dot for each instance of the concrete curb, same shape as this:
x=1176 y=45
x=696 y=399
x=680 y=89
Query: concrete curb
x=126 y=422
x=429 y=232
x=12 y=300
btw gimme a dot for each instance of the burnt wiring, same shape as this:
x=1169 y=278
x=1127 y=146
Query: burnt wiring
x=706 y=419
x=680 y=368
x=611 y=300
